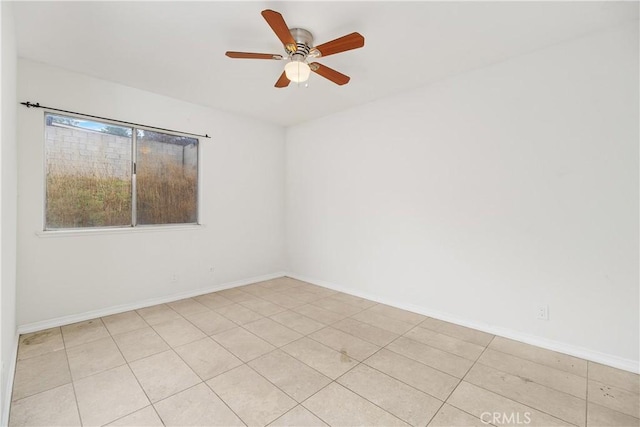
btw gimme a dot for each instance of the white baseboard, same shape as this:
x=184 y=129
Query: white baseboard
x=581 y=352
x=8 y=391
x=80 y=317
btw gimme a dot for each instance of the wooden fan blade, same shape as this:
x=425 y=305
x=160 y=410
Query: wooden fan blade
x=342 y=44
x=277 y=24
x=329 y=73
x=249 y=55
x=283 y=81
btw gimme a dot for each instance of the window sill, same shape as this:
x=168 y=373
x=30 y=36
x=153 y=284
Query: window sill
x=118 y=230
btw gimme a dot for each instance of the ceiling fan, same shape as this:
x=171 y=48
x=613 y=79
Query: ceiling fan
x=299 y=50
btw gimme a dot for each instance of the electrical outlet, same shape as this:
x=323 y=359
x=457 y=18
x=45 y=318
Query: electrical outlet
x=211 y=269
x=542 y=312
x=174 y=278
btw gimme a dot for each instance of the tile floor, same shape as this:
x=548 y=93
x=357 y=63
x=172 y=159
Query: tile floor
x=287 y=353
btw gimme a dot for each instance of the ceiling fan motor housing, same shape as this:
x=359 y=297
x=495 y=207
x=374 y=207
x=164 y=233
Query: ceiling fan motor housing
x=304 y=41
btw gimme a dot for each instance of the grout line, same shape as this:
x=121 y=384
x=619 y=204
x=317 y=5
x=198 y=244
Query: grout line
x=499 y=394
x=73 y=386
x=543 y=366
x=223 y=401
x=586 y=398
x=131 y=370
x=465 y=375
x=154 y=354
x=452 y=336
x=425 y=364
x=302 y=403
x=366 y=398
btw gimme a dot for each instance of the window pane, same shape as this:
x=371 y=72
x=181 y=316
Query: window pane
x=88 y=173
x=166 y=178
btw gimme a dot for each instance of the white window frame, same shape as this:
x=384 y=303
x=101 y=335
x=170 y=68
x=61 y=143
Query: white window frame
x=133 y=227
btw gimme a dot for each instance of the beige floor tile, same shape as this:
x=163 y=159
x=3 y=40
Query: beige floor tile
x=243 y=344
x=140 y=343
x=262 y=307
x=83 y=332
x=599 y=416
x=280 y=284
x=272 y=332
x=197 y=406
x=265 y=284
x=40 y=373
x=352 y=300
x=39 y=343
x=542 y=356
x=187 y=306
x=335 y=306
x=365 y=331
x=158 y=314
x=320 y=314
x=238 y=313
x=283 y=300
x=178 y=332
x=478 y=402
x=255 y=400
x=525 y=391
x=614 y=377
x=299 y=417
x=398 y=314
x=210 y=322
x=256 y=290
x=383 y=322
x=235 y=295
x=447 y=343
x=145 y=417
x=213 y=301
x=163 y=374
x=297 y=322
x=207 y=358
x=109 y=395
x=441 y=360
x=320 y=357
x=93 y=357
x=431 y=381
x=614 y=398
x=56 y=407
x=403 y=401
x=318 y=290
x=550 y=377
x=345 y=343
x=301 y=295
x=457 y=331
x=124 y=322
x=450 y=416
x=290 y=375
x=341 y=407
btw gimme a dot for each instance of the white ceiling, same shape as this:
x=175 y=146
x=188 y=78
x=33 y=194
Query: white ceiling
x=177 y=48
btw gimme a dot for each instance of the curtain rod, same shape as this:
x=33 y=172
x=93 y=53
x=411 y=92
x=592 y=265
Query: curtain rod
x=37 y=105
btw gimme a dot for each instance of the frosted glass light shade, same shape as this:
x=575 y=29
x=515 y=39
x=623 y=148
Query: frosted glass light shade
x=297 y=71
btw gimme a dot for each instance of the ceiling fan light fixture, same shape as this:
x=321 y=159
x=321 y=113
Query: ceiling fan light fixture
x=297 y=71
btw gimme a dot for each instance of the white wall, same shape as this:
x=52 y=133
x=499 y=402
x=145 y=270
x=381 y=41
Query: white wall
x=481 y=196
x=8 y=203
x=242 y=203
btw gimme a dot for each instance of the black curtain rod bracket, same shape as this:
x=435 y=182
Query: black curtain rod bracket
x=37 y=105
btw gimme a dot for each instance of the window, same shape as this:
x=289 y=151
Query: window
x=104 y=175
